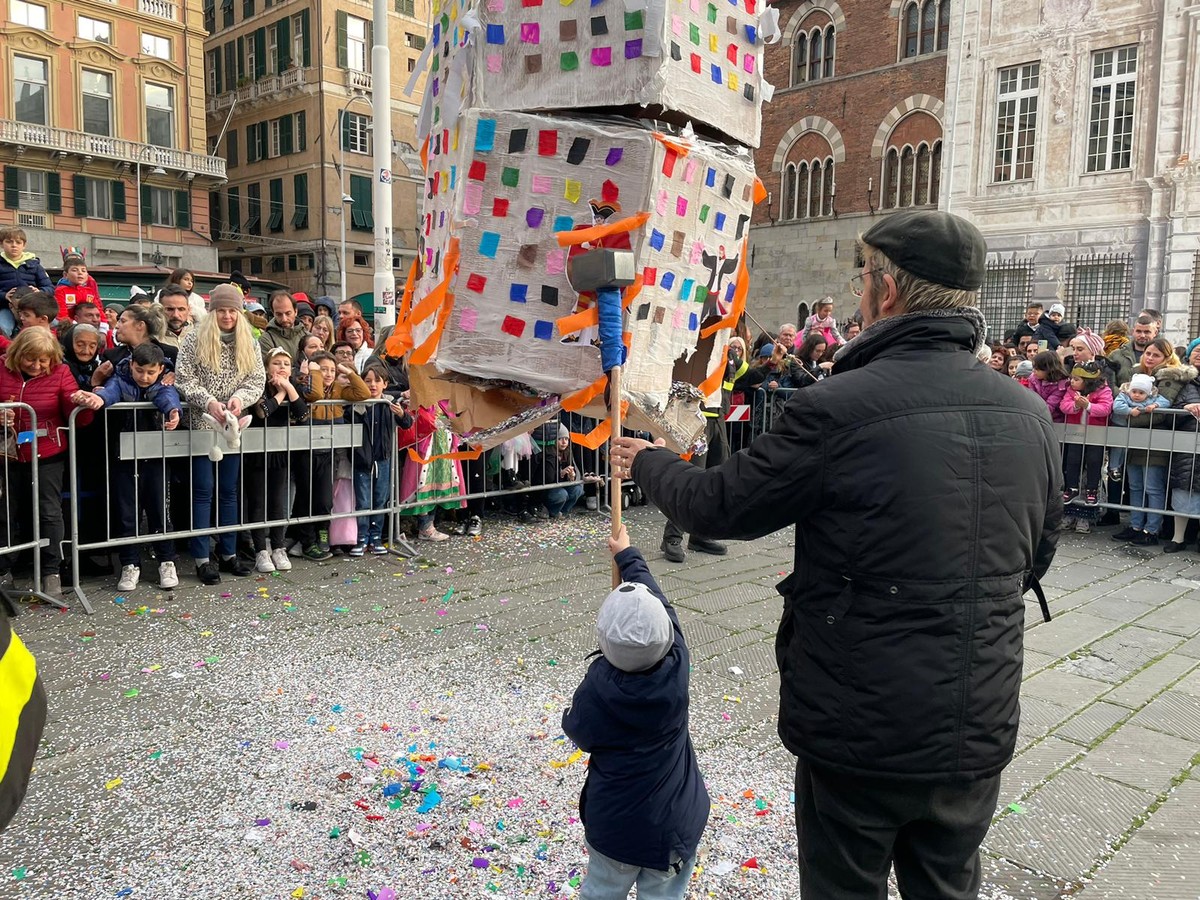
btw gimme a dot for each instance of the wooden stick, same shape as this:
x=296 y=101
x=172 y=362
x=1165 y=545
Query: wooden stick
x=614 y=414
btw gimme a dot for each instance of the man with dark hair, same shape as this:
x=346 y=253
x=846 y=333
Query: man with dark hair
x=178 y=312
x=1126 y=358
x=925 y=491
x=283 y=330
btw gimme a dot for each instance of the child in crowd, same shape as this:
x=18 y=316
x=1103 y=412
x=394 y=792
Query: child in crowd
x=1049 y=382
x=75 y=287
x=1137 y=397
x=436 y=484
x=141 y=484
x=373 y=459
x=823 y=322
x=18 y=268
x=1024 y=372
x=1088 y=400
x=554 y=462
x=1010 y=366
x=266 y=474
x=644 y=805
x=36 y=309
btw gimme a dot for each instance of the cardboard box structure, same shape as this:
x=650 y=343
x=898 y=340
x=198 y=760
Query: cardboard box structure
x=504 y=179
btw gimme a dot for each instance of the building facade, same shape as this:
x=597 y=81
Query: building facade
x=289 y=109
x=102 y=136
x=1073 y=127
x=854 y=130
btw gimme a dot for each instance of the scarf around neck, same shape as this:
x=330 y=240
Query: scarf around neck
x=881 y=330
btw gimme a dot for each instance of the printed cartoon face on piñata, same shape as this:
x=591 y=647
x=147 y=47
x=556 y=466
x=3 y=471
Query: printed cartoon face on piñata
x=496 y=205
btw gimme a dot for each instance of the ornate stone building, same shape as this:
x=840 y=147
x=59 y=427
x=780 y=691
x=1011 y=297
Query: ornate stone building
x=1071 y=126
x=855 y=129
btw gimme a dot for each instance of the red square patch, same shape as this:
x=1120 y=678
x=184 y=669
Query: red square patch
x=499 y=208
x=478 y=170
x=547 y=143
x=731 y=54
x=649 y=276
x=609 y=191
x=476 y=282
x=512 y=325
x=696 y=63
x=669 y=162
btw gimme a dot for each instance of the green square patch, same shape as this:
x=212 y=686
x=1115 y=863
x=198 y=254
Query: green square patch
x=634 y=21
x=569 y=61
x=694 y=33
x=704 y=213
x=712 y=13
x=510 y=177
x=701 y=293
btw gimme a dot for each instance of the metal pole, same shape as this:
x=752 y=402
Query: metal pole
x=138 y=201
x=381 y=108
x=342 y=195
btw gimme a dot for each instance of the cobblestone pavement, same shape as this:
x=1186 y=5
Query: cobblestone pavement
x=188 y=733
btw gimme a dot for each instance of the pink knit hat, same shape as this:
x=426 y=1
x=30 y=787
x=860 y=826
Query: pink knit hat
x=1094 y=342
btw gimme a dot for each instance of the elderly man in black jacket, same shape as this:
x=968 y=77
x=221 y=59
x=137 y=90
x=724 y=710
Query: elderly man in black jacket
x=900 y=646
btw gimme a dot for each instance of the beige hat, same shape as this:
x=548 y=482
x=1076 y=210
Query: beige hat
x=225 y=296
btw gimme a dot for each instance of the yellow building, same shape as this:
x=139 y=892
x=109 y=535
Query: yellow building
x=102 y=136
x=289 y=109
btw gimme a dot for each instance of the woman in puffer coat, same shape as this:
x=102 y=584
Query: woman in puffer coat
x=1184 y=477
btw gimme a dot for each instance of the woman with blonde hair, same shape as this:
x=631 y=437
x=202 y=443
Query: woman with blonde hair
x=220 y=370
x=323 y=328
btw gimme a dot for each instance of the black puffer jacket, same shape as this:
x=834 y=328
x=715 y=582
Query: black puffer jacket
x=1185 y=468
x=901 y=643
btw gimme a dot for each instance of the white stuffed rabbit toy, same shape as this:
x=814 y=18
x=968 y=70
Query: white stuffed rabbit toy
x=229 y=430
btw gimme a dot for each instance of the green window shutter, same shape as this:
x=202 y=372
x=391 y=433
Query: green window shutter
x=183 y=209
x=275 y=218
x=300 y=197
x=80 y=189
x=283 y=38
x=118 y=204
x=217 y=67
x=147 y=211
x=345 y=130
x=418 y=42
x=285 y=135
x=343 y=56
x=264 y=139
x=12 y=194
x=301 y=132
x=251 y=143
x=241 y=58
x=235 y=211
x=304 y=19
x=53 y=192
x=260 y=53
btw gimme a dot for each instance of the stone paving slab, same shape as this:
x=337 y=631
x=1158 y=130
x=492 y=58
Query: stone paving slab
x=1156 y=677
x=1172 y=713
x=1067 y=633
x=1089 y=725
x=1124 y=652
x=1162 y=858
x=1180 y=616
x=1140 y=758
x=1033 y=766
x=1068 y=825
x=1063 y=688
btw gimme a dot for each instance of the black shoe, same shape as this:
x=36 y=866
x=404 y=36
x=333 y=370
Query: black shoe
x=1172 y=547
x=235 y=565
x=1145 y=539
x=208 y=573
x=1127 y=534
x=672 y=549
x=701 y=545
x=1110 y=517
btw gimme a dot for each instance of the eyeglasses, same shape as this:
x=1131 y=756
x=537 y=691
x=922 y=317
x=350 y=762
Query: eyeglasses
x=857 y=284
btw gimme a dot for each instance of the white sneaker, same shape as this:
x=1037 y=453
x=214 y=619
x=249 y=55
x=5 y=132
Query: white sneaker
x=432 y=534
x=279 y=557
x=167 y=576
x=129 y=578
x=262 y=562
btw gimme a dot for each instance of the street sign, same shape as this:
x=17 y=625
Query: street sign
x=738 y=414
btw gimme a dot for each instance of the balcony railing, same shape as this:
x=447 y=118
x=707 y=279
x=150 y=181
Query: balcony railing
x=358 y=81
x=89 y=145
x=160 y=8
x=268 y=88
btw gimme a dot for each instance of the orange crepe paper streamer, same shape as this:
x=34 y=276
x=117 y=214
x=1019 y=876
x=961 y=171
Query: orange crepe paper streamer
x=436 y=297
x=740 y=291
x=400 y=341
x=681 y=149
x=425 y=153
x=760 y=190
x=582 y=319
x=422 y=354
x=710 y=384
x=458 y=454
x=581 y=398
x=599 y=232
x=598 y=435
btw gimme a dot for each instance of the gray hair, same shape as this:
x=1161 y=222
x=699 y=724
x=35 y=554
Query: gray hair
x=914 y=292
x=84 y=328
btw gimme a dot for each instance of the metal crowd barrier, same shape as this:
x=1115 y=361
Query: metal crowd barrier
x=21 y=530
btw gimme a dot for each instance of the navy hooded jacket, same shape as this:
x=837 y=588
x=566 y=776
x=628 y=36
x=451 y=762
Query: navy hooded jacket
x=644 y=802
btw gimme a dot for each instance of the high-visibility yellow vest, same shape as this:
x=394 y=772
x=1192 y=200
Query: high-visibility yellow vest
x=22 y=718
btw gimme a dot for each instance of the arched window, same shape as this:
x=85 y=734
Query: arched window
x=935 y=174
x=891 y=177
x=827 y=189
x=928 y=25
x=912 y=17
x=815 y=55
x=906 y=177
x=829 y=52
x=814 y=190
x=788 y=209
x=800 y=59
x=922 y=179
x=943 y=35
x=801 y=209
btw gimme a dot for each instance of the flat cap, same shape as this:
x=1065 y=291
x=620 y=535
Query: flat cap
x=936 y=246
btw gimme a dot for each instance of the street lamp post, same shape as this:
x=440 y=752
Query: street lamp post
x=346 y=198
x=157 y=170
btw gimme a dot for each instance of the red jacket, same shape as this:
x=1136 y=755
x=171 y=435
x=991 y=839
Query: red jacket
x=424 y=424
x=50 y=397
x=68 y=295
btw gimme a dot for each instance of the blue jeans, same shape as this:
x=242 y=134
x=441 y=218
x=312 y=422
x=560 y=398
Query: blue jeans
x=608 y=879
x=372 y=492
x=225 y=473
x=1147 y=487
x=563 y=499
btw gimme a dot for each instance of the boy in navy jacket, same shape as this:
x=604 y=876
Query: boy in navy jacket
x=644 y=804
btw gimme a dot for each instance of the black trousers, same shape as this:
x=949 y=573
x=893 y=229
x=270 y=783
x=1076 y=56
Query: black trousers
x=314 y=492
x=1088 y=459
x=266 y=479
x=140 y=486
x=18 y=508
x=852 y=830
x=718 y=451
